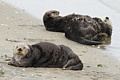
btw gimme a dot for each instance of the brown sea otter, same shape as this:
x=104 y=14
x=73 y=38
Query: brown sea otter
x=45 y=54
x=80 y=28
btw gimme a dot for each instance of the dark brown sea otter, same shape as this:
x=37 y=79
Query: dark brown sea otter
x=45 y=54
x=53 y=22
x=87 y=30
x=80 y=28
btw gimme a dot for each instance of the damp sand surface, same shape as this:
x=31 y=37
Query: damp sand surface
x=18 y=26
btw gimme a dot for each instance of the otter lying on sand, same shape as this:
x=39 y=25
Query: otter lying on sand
x=45 y=54
x=80 y=28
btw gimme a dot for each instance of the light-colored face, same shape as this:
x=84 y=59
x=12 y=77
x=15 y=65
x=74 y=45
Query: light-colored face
x=107 y=21
x=52 y=13
x=21 y=49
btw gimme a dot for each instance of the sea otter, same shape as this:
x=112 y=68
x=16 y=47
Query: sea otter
x=53 y=22
x=45 y=54
x=80 y=28
x=86 y=30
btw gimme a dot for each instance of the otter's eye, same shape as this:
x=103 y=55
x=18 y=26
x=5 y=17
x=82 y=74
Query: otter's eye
x=23 y=47
x=48 y=14
x=16 y=46
x=107 y=17
x=53 y=12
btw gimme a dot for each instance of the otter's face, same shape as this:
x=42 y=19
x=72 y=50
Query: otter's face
x=21 y=49
x=52 y=13
x=107 y=21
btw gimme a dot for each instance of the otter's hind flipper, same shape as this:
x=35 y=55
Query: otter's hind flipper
x=89 y=42
x=82 y=40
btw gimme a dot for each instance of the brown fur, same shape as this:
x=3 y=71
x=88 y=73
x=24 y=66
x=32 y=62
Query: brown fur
x=52 y=21
x=80 y=28
x=46 y=54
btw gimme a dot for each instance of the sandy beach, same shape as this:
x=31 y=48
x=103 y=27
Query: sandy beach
x=18 y=26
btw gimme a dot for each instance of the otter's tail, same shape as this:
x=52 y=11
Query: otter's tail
x=89 y=42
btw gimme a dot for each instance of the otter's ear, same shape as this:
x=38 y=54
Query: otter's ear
x=30 y=48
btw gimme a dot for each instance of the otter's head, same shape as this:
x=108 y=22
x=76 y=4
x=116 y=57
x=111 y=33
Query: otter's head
x=21 y=49
x=51 y=13
x=107 y=21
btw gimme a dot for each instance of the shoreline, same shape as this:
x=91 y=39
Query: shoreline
x=32 y=9
x=18 y=26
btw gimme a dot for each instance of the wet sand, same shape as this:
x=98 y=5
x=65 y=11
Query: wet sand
x=18 y=26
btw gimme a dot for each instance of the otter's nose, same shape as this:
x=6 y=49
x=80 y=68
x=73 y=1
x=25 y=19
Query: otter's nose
x=19 y=49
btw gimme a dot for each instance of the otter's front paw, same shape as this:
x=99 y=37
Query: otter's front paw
x=10 y=63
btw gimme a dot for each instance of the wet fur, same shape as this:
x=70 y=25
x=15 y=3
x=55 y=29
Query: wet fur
x=49 y=55
x=80 y=28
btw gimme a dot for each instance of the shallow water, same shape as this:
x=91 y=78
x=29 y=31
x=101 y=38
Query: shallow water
x=98 y=8
x=114 y=47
